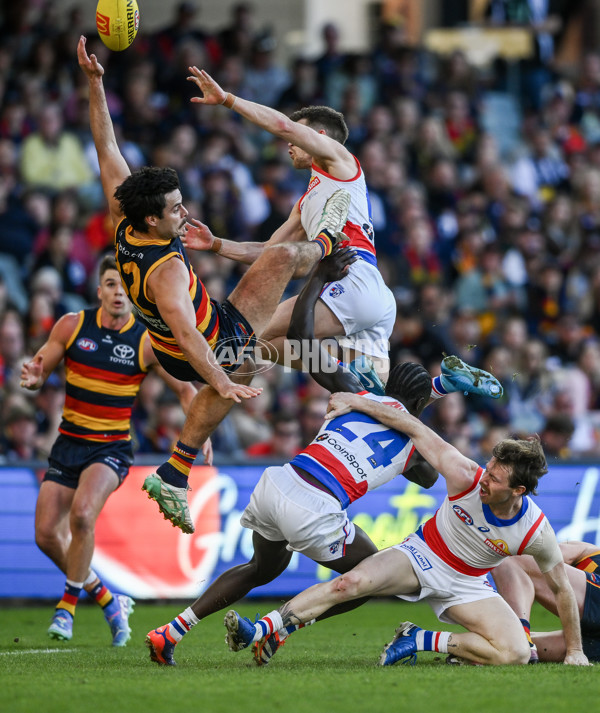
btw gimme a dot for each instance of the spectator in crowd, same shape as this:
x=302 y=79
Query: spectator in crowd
x=285 y=441
x=52 y=158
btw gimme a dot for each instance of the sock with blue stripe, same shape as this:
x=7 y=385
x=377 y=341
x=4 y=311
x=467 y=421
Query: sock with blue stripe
x=432 y=641
x=437 y=390
x=267 y=625
x=181 y=624
x=177 y=469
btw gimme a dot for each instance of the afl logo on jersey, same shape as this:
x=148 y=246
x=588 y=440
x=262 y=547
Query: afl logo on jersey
x=462 y=514
x=123 y=351
x=322 y=437
x=336 y=290
x=87 y=345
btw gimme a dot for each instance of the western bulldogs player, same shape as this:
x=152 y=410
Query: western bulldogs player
x=486 y=517
x=301 y=506
x=359 y=309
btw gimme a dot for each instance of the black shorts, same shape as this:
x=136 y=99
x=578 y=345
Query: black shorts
x=590 y=621
x=70 y=456
x=234 y=345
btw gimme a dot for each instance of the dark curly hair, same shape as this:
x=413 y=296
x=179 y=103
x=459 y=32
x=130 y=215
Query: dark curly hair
x=525 y=458
x=143 y=194
x=326 y=118
x=410 y=383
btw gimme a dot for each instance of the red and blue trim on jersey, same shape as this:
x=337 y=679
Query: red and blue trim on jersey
x=430 y=534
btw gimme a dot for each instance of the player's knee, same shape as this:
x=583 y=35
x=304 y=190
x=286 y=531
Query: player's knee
x=82 y=520
x=46 y=539
x=516 y=654
x=284 y=254
x=348 y=586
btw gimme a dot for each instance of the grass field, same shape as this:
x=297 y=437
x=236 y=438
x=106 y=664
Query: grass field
x=329 y=667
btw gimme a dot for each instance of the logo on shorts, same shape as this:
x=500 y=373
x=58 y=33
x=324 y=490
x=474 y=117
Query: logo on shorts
x=498 y=546
x=336 y=290
x=87 y=345
x=422 y=561
x=462 y=514
x=334 y=547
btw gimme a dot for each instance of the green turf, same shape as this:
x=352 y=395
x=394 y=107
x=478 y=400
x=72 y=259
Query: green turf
x=329 y=667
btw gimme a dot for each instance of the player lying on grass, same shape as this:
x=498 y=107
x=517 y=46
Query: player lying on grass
x=301 y=506
x=520 y=581
x=486 y=516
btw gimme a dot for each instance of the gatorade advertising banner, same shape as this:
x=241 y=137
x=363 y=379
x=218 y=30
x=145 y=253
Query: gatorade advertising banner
x=141 y=554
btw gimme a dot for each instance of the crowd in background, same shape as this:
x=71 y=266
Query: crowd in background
x=490 y=242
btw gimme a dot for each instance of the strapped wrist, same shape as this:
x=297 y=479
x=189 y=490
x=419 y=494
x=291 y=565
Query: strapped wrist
x=229 y=101
x=216 y=245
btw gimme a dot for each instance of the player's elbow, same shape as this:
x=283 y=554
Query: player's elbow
x=285 y=128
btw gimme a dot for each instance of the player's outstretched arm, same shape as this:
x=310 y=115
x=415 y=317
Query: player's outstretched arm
x=198 y=236
x=318 y=145
x=35 y=372
x=458 y=470
x=113 y=167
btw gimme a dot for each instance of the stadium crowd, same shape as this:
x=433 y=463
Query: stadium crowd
x=490 y=242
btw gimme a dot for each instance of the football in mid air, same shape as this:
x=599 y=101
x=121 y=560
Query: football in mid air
x=117 y=22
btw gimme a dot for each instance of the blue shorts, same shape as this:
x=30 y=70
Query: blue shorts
x=70 y=456
x=590 y=621
x=235 y=344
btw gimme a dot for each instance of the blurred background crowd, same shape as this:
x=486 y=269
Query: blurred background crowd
x=484 y=182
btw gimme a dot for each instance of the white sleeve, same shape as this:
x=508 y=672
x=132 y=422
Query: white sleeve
x=544 y=548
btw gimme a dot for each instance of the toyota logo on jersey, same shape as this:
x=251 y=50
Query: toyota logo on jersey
x=123 y=351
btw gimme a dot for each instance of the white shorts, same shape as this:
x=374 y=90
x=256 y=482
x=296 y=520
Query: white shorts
x=441 y=586
x=285 y=507
x=366 y=307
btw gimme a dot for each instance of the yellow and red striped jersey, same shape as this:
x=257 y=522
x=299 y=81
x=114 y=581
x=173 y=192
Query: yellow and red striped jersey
x=137 y=259
x=104 y=370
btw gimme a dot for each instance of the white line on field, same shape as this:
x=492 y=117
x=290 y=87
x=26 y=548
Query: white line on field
x=34 y=651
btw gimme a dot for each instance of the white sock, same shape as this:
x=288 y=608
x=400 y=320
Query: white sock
x=90 y=579
x=267 y=625
x=432 y=641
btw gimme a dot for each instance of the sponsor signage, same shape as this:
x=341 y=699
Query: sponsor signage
x=139 y=553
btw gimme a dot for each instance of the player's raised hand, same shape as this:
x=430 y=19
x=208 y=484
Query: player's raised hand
x=32 y=372
x=335 y=266
x=212 y=93
x=340 y=404
x=197 y=236
x=89 y=64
